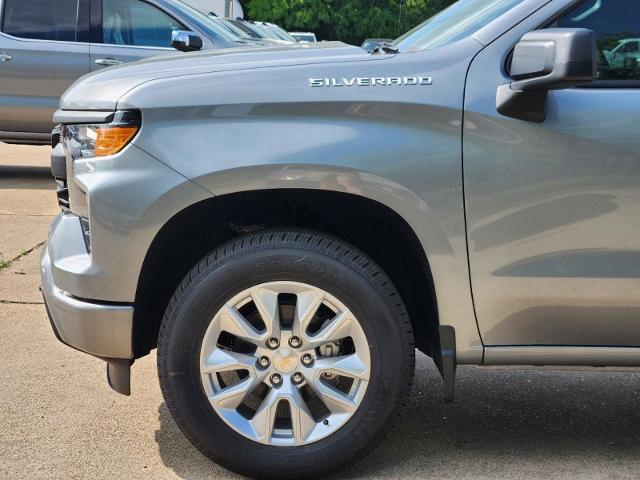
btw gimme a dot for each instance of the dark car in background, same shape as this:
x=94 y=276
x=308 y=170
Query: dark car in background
x=45 y=46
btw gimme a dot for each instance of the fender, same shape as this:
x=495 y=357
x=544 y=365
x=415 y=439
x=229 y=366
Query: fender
x=272 y=130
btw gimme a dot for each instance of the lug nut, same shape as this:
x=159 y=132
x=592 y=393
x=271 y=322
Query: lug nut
x=273 y=343
x=297 y=378
x=276 y=379
x=307 y=359
x=295 y=342
x=264 y=362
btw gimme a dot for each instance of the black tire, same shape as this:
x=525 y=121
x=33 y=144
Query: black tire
x=316 y=259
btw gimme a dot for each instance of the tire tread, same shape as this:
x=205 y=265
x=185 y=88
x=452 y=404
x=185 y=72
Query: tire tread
x=315 y=242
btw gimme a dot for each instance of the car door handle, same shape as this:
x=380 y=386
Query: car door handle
x=107 y=61
x=4 y=57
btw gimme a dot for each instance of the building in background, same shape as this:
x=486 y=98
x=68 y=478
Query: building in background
x=217 y=7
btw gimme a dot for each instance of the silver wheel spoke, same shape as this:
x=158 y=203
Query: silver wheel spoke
x=233 y=322
x=348 y=365
x=307 y=305
x=225 y=361
x=221 y=361
x=335 y=400
x=264 y=419
x=302 y=422
x=232 y=397
x=337 y=328
x=266 y=301
x=278 y=368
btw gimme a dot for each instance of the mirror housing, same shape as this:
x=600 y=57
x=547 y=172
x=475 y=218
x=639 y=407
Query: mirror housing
x=185 y=41
x=544 y=60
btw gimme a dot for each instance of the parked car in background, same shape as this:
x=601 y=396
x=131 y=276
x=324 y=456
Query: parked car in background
x=287 y=243
x=217 y=7
x=370 y=44
x=625 y=53
x=244 y=31
x=304 y=37
x=256 y=32
x=235 y=30
x=276 y=31
x=45 y=46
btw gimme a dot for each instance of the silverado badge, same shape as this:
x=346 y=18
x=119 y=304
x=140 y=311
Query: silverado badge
x=369 y=81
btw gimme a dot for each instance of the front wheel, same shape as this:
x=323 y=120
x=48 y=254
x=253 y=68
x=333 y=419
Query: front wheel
x=285 y=353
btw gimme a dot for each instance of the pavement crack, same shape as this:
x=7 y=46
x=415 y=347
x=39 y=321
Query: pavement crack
x=26 y=215
x=7 y=263
x=14 y=302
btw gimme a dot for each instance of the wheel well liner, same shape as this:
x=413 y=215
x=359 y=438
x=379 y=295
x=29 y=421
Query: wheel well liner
x=369 y=225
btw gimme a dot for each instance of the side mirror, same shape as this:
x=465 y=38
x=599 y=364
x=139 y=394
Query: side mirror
x=185 y=41
x=544 y=60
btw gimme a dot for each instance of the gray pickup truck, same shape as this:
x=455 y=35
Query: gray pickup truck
x=287 y=225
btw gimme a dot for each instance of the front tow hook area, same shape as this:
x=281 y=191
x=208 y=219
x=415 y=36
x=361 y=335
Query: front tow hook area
x=119 y=375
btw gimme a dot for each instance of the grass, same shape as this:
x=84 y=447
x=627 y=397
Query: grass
x=23 y=253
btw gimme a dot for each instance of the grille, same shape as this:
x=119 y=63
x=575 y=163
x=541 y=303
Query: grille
x=59 y=170
x=62 y=192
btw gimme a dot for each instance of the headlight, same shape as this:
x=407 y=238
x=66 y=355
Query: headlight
x=99 y=140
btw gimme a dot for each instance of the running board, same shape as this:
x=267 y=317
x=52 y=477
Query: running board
x=563 y=356
x=448 y=364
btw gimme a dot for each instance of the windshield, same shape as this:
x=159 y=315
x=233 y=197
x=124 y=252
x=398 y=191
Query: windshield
x=460 y=20
x=204 y=22
x=251 y=32
x=228 y=26
x=284 y=35
x=264 y=31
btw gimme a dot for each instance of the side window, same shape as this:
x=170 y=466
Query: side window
x=41 y=19
x=616 y=24
x=134 y=22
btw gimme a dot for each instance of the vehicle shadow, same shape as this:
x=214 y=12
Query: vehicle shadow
x=504 y=423
x=25 y=177
x=24 y=171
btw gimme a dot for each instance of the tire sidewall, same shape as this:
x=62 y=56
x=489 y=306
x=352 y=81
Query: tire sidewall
x=209 y=291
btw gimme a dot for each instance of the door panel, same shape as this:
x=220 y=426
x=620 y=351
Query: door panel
x=553 y=211
x=38 y=61
x=32 y=82
x=109 y=55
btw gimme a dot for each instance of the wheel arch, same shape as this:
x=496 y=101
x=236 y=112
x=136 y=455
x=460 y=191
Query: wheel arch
x=440 y=243
x=371 y=226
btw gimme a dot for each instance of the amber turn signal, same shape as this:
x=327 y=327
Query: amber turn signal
x=112 y=139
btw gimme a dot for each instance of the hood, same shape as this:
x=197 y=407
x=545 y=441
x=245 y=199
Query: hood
x=101 y=90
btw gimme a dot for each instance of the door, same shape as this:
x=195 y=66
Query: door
x=39 y=59
x=130 y=30
x=553 y=208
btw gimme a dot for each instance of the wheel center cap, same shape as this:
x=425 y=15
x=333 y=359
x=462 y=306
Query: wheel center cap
x=285 y=360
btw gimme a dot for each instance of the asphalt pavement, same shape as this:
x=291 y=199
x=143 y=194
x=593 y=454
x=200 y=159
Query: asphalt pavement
x=59 y=419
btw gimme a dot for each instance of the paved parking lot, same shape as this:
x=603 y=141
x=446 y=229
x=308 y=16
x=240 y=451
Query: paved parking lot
x=59 y=419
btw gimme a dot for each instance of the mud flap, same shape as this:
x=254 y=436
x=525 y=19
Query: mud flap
x=447 y=364
x=119 y=375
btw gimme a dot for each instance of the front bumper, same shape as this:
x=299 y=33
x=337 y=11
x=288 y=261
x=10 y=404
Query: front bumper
x=98 y=328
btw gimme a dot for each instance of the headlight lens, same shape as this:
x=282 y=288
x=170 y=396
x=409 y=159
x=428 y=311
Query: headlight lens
x=99 y=140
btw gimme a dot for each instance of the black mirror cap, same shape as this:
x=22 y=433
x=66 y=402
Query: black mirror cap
x=544 y=60
x=553 y=59
x=186 y=41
